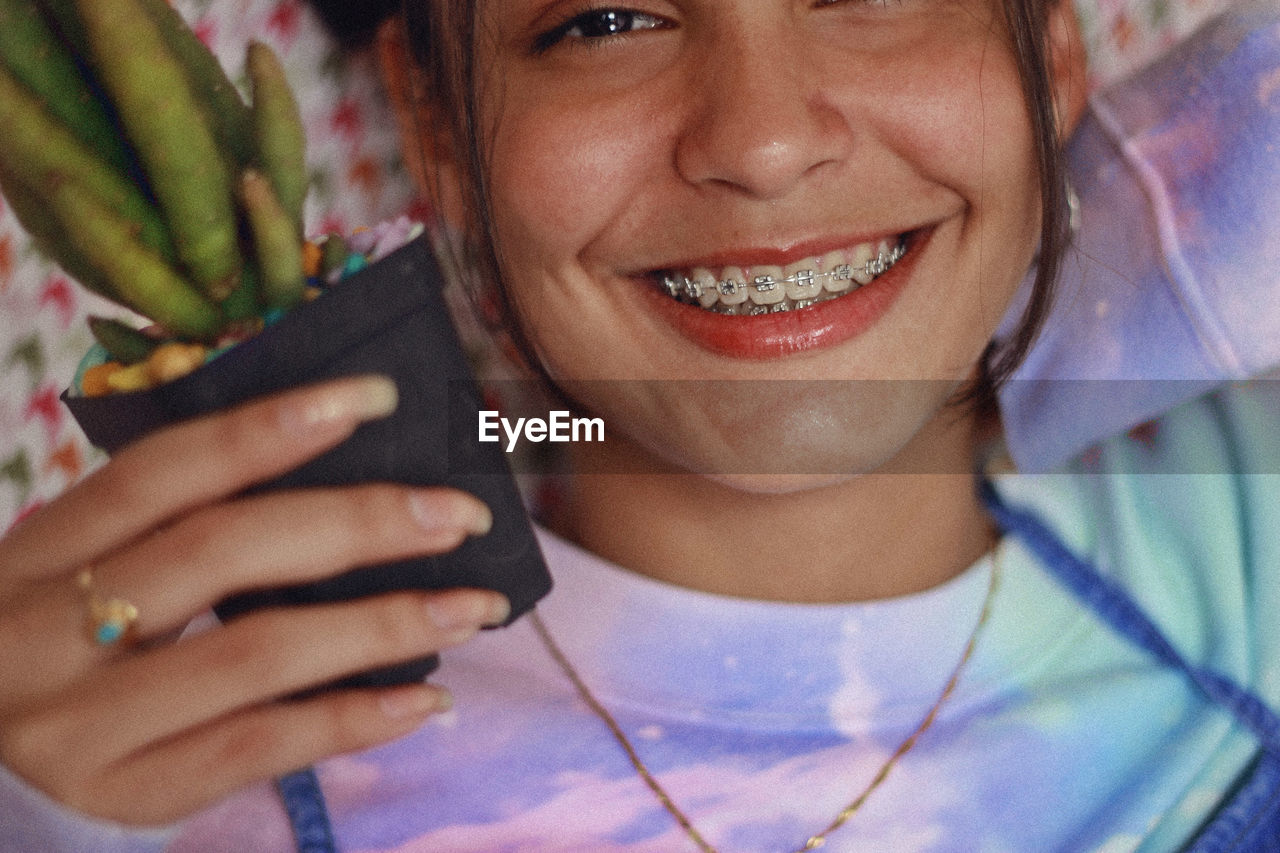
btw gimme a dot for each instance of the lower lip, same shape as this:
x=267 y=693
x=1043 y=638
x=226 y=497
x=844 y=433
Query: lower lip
x=777 y=335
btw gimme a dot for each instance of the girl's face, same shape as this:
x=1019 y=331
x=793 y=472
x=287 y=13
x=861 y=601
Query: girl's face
x=835 y=190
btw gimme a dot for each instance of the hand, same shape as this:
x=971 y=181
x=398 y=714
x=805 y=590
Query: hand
x=149 y=732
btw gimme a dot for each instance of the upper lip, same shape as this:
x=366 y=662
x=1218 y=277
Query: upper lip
x=774 y=256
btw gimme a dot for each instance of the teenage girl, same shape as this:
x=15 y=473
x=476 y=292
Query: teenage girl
x=778 y=247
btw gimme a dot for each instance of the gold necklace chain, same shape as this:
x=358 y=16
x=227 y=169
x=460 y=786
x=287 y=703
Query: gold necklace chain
x=814 y=841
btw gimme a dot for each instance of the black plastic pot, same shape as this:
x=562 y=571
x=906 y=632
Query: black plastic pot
x=388 y=319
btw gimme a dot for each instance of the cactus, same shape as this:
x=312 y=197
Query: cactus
x=136 y=164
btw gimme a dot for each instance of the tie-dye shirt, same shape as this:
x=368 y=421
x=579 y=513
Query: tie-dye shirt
x=763 y=720
x=1172 y=283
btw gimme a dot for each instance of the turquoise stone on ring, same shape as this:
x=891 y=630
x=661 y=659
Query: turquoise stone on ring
x=110 y=620
x=113 y=619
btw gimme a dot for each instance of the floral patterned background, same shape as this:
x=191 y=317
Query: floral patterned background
x=358 y=180
x=1123 y=35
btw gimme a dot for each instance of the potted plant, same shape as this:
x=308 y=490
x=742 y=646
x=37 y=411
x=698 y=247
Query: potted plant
x=135 y=163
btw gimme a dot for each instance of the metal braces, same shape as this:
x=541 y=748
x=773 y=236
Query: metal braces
x=687 y=287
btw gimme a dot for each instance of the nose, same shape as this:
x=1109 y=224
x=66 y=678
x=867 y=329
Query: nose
x=759 y=121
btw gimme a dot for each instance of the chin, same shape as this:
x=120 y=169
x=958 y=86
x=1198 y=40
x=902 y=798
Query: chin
x=776 y=436
x=786 y=437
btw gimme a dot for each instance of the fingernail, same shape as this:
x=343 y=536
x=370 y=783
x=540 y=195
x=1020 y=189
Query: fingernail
x=359 y=399
x=499 y=610
x=437 y=511
x=462 y=612
x=414 y=700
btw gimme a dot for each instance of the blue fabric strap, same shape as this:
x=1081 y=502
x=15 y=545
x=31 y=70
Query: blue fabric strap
x=1117 y=609
x=304 y=802
x=1250 y=821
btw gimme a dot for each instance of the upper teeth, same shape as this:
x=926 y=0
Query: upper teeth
x=767 y=289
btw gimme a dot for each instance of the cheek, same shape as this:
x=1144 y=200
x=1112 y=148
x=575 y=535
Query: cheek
x=565 y=174
x=562 y=174
x=972 y=135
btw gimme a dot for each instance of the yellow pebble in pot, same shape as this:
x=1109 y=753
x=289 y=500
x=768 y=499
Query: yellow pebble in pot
x=96 y=381
x=132 y=378
x=174 y=360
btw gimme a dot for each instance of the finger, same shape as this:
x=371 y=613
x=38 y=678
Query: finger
x=44 y=632
x=259 y=657
x=257 y=744
x=283 y=539
x=185 y=466
x=256 y=542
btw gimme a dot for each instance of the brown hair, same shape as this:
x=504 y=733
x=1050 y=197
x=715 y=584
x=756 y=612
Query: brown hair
x=448 y=66
x=354 y=24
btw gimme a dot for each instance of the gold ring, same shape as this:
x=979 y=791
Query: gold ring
x=109 y=620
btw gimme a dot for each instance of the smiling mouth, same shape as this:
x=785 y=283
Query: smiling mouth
x=763 y=289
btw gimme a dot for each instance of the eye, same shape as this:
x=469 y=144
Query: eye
x=595 y=25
